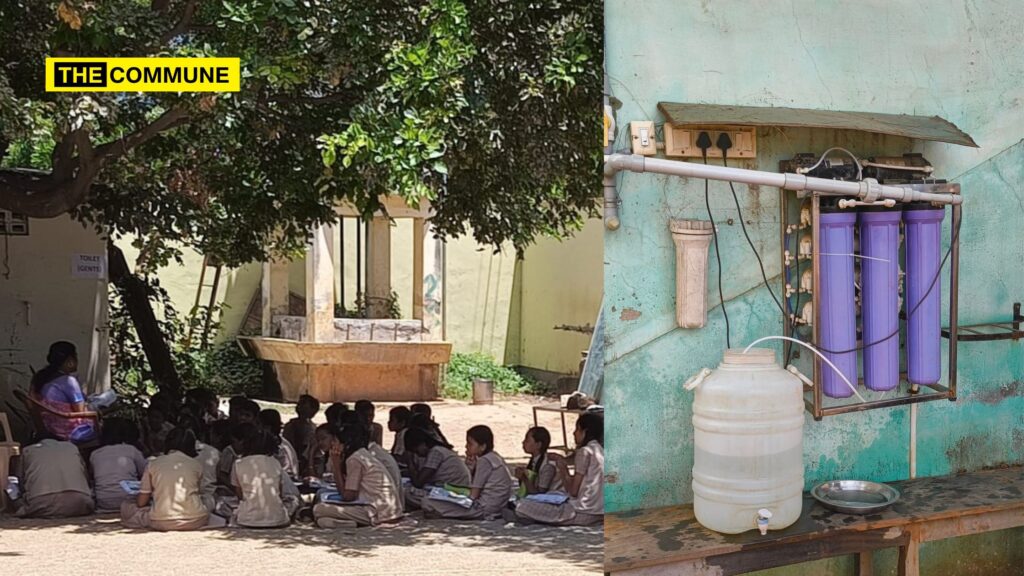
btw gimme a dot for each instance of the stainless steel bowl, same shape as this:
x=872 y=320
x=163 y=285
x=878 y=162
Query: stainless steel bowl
x=855 y=496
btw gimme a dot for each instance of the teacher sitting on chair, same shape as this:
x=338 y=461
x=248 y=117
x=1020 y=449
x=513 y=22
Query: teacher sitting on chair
x=56 y=387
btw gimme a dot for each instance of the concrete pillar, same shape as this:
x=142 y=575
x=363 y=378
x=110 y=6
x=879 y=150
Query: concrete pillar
x=319 y=287
x=433 y=286
x=378 y=267
x=275 y=294
x=419 y=230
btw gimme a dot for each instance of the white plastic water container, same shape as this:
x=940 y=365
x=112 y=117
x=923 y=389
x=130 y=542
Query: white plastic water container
x=748 y=418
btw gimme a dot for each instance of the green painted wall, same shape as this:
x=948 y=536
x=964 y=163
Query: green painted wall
x=960 y=60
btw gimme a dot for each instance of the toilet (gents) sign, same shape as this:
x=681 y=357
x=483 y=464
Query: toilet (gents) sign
x=142 y=74
x=92 y=266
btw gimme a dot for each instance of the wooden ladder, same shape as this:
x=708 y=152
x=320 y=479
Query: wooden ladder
x=205 y=335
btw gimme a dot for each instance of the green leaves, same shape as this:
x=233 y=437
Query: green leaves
x=488 y=109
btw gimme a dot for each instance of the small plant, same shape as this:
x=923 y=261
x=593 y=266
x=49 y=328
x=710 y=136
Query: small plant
x=227 y=370
x=360 y=308
x=464 y=368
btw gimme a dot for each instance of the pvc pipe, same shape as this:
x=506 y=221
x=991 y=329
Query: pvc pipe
x=913 y=441
x=868 y=189
x=812 y=349
x=611 y=195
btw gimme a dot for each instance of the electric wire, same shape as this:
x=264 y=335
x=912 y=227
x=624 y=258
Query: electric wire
x=718 y=255
x=760 y=263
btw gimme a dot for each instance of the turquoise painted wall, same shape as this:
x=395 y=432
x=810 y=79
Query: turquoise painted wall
x=959 y=60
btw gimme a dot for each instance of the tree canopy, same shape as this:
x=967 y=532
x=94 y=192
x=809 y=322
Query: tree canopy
x=486 y=108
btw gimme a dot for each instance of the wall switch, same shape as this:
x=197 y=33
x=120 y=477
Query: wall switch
x=644 y=142
x=682 y=141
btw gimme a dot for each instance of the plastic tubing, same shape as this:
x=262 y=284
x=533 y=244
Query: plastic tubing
x=812 y=349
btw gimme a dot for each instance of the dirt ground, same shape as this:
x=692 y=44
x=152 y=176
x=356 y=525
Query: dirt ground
x=99 y=545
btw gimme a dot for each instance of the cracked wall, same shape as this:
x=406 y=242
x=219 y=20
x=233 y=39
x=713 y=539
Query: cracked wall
x=961 y=61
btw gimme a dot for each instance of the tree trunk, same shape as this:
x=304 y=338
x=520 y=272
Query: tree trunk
x=154 y=343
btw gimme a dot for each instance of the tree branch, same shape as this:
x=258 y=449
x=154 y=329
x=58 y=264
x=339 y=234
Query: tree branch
x=40 y=194
x=170 y=119
x=183 y=23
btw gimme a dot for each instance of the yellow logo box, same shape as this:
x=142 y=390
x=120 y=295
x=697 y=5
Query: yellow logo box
x=142 y=74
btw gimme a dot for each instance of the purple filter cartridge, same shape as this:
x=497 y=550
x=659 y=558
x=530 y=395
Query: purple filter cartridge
x=923 y=224
x=838 y=317
x=880 y=304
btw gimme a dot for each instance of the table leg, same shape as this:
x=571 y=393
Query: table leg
x=565 y=438
x=864 y=565
x=910 y=560
x=534 y=416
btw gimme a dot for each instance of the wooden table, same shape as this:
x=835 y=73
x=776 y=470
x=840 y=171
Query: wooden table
x=561 y=411
x=669 y=541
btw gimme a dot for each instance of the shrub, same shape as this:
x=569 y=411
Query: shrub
x=463 y=368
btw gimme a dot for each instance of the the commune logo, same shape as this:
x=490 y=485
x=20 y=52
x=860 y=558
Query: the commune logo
x=142 y=74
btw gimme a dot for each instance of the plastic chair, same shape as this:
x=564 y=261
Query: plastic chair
x=36 y=409
x=8 y=449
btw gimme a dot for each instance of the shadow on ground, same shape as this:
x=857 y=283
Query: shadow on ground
x=580 y=546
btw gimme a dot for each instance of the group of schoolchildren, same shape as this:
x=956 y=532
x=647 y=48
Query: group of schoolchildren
x=189 y=466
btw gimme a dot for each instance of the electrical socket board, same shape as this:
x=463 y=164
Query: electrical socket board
x=643 y=140
x=682 y=141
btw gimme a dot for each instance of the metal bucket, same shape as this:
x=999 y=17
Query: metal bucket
x=483 y=391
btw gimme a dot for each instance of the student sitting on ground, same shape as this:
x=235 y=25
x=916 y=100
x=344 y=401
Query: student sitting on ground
x=321 y=454
x=207 y=455
x=204 y=404
x=53 y=481
x=169 y=498
x=301 y=432
x=440 y=465
x=383 y=456
x=490 y=488
x=541 y=474
x=244 y=412
x=333 y=413
x=267 y=497
x=118 y=460
x=270 y=419
x=398 y=422
x=423 y=416
x=585 y=487
x=154 y=430
x=368 y=495
x=367 y=410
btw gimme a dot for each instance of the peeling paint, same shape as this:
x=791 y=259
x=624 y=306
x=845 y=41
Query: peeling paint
x=629 y=314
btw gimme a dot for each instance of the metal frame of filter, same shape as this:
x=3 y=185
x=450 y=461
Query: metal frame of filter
x=815 y=404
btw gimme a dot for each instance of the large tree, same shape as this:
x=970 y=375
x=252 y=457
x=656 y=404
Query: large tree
x=487 y=108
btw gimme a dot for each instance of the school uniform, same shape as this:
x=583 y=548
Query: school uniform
x=173 y=481
x=367 y=476
x=209 y=458
x=547 y=477
x=448 y=468
x=54 y=482
x=110 y=465
x=288 y=458
x=376 y=433
x=302 y=436
x=587 y=507
x=492 y=477
x=260 y=479
x=382 y=456
x=398 y=446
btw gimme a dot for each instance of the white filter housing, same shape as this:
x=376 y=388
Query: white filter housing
x=748 y=418
x=691 y=239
